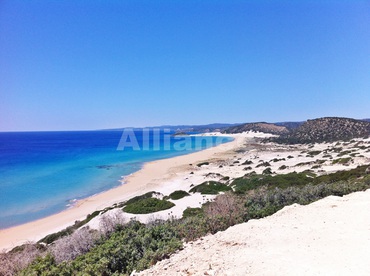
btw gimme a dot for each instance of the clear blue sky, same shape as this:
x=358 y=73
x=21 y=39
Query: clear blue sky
x=68 y=65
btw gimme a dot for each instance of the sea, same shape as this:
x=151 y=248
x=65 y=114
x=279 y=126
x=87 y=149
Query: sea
x=43 y=173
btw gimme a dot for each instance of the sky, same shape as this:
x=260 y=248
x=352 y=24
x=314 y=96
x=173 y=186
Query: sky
x=85 y=65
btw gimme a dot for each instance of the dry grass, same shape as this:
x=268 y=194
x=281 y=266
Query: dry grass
x=70 y=247
x=13 y=262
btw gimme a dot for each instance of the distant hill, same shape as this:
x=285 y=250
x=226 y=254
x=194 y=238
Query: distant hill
x=261 y=127
x=198 y=128
x=285 y=129
x=326 y=129
x=186 y=128
x=290 y=125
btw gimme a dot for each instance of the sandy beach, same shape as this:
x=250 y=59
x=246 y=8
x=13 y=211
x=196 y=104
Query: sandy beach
x=149 y=178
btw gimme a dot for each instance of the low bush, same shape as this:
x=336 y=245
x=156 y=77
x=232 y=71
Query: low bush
x=203 y=164
x=19 y=258
x=140 y=197
x=267 y=171
x=344 y=153
x=314 y=152
x=135 y=247
x=178 y=195
x=69 y=230
x=190 y=212
x=342 y=160
x=264 y=203
x=147 y=206
x=226 y=210
x=277 y=159
x=304 y=164
x=352 y=174
x=70 y=247
x=244 y=184
x=263 y=164
x=210 y=188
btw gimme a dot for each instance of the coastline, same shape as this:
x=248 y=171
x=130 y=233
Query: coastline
x=183 y=172
x=151 y=176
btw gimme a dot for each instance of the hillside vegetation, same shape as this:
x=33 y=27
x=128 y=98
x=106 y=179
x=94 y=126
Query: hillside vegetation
x=326 y=129
x=127 y=246
x=261 y=127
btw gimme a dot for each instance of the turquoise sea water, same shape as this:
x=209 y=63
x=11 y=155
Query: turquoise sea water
x=42 y=173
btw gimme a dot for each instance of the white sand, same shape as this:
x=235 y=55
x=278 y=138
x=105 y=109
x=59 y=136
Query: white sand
x=328 y=237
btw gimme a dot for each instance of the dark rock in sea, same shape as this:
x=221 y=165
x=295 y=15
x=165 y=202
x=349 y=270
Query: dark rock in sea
x=106 y=167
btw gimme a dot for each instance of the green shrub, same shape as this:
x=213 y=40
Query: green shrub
x=304 y=164
x=244 y=184
x=147 y=206
x=263 y=164
x=210 y=188
x=190 y=212
x=178 y=194
x=277 y=159
x=339 y=149
x=203 y=163
x=314 y=152
x=192 y=227
x=262 y=203
x=267 y=171
x=140 y=197
x=344 y=153
x=352 y=174
x=69 y=230
x=135 y=247
x=342 y=160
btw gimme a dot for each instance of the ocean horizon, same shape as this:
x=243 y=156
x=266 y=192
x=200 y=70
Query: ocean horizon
x=43 y=173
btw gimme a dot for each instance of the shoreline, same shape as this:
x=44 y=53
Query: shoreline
x=234 y=159
x=148 y=178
